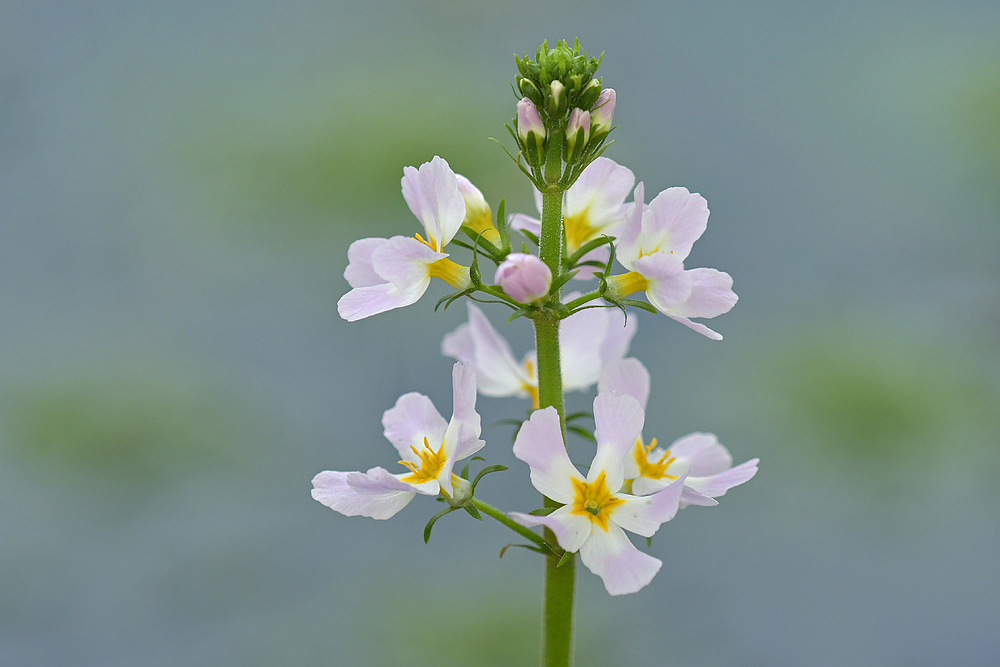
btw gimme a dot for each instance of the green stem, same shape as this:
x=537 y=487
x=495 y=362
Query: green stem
x=513 y=525
x=557 y=611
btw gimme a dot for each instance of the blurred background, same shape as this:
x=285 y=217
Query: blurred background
x=179 y=183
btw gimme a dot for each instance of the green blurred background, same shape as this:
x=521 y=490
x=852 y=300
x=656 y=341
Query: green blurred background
x=179 y=183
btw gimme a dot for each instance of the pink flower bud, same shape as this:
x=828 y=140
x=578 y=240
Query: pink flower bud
x=525 y=278
x=528 y=121
x=577 y=134
x=603 y=112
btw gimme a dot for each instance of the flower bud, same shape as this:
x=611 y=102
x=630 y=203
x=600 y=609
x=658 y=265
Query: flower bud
x=603 y=113
x=577 y=134
x=525 y=278
x=478 y=216
x=531 y=130
x=556 y=100
x=530 y=90
x=589 y=95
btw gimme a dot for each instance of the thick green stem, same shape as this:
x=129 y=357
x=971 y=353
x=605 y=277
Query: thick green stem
x=557 y=612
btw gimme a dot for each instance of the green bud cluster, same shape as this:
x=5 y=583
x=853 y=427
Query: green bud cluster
x=562 y=89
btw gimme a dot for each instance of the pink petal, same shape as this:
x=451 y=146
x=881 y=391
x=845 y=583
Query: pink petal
x=644 y=515
x=465 y=425
x=628 y=245
x=711 y=294
x=675 y=220
x=432 y=194
x=701 y=454
x=359 y=271
x=669 y=283
x=520 y=221
x=403 y=261
x=479 y=344
x=580 y=339
x=331 y=488
x=571 y=530
x=618 y=421
x=623 y=568
x=601 y=191
x=696 y=326
x=362 y=302
x=716 y=485
x=539 y=443
x=628 y=377
x=412 y=419
x=621 y=330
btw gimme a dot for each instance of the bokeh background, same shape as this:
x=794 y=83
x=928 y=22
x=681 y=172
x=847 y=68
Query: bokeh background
x=179 y=182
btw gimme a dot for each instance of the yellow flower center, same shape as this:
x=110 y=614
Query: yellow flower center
x=454 y=274
x=594 y=501
x=532 y=389
x=431 y=463
x=652 y=469
x=578 y=230
x=480 y=221
x=430 y=242
x=626 y=283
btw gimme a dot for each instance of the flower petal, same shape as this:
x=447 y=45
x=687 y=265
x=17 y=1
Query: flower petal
x=432 y=194
x=362 y=302
x=539 y=443
x=675 y=219
x=359 y=271
x=700 y=454
x=623 y=568
x=716 y=485
x=621 y=330
x=711 y=294
x=571 y=530
x=628 y=377
x=629 y=244
x=479 y=344
x=645 y=514
x=331 y=488
x=599 y=193
x=580 y=340
x=618 y=422
x=522 y=222
x=412 y=419
x=466 y=425
x=669 y=283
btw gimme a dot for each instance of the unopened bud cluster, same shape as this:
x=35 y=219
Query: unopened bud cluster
x=561 y=105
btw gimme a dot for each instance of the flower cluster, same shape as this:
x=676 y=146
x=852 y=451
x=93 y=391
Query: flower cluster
x=586 y=227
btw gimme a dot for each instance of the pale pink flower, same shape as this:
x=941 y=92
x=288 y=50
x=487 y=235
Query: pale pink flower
x=594 y=512
x=653 y=245
x=705 y=465
x=429 y=447
x=395 y=272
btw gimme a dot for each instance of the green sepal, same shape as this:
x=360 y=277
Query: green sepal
x=496 y=467
x=451 y=298
x=465 y=469
x=582 y=432
x=430 y=524
x=587 y=247
x=649 y=542
x=543 y=511
x=524 y=546
x=557 y=283
x=502 y=229
x=521 y=312
x=531 y=236
x=566 y=557
x=471 y=509
x=579 y=415
x=635 y=303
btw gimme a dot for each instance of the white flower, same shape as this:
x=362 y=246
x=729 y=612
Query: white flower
x=395 y=272
x=588 y=341
x=653 y=246
x=699 y=458
x=429 y=447
x=593 y=206
x=593 y=516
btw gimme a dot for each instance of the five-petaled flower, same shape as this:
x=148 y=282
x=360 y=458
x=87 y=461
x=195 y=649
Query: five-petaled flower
x=395 y=272
x=589 y=340
x=429 y=447
x=704 y=463
x=594 y=511
x=653 y=245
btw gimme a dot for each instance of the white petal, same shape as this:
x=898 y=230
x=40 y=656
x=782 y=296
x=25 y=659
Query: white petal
x=362 y=302
x=621 y=329
x=432 y=194
x=716 y=485
x=331 y=488
x=539 y=443
x=629 y=243
x=628 y=377
x=580 y=339
x=520 y=221
x=571 y=530
x=359 y=271
x=600 y=193
x=623 y=568
x=675 y=219
x=701 y=453
x=618 y=422
x=645 y=514
x=669 y=283
x=479 y=344
x=711 y=294
x=466 y=425
x=403 y=261
x=412 y=419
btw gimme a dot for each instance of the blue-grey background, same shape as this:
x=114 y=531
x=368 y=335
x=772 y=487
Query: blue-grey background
x=179 y=182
